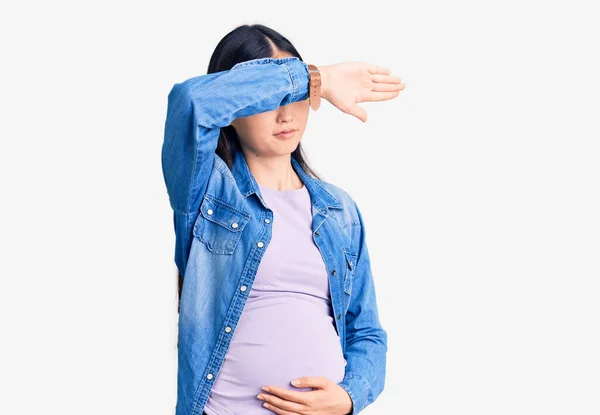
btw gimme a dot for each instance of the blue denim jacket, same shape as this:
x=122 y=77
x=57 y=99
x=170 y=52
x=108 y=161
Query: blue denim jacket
x=223 y=227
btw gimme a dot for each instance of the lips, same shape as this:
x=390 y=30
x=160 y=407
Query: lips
x=286 y=134
x=285 y=131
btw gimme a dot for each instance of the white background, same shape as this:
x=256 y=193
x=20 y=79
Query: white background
x=483 y=228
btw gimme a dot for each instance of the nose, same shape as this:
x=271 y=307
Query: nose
x=284 y=114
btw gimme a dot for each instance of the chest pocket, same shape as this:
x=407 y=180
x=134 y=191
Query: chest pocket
x=220 y=225
x=350 y=269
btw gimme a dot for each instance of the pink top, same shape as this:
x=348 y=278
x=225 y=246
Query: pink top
x=287 y=327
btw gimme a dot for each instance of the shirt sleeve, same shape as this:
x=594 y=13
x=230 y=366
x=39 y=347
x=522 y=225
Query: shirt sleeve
x=366 y=340
x=198 y=108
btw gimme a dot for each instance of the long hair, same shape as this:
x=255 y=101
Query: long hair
x=244 y=43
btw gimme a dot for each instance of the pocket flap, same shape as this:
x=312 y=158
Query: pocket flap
x=224 y=214
x=350 y=258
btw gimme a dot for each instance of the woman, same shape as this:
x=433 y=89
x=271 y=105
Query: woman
x=274 y=274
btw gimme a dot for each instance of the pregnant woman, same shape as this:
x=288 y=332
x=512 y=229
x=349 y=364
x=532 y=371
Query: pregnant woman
x=275 y=281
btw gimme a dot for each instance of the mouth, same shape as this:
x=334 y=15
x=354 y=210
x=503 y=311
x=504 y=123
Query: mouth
x=286 y=133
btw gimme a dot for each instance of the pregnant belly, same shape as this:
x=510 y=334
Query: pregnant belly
x=278 y=338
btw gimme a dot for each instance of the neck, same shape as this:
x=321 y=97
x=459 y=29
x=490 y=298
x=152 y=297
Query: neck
x=274 y=172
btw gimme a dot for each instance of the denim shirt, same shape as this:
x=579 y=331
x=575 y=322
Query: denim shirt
x=223 y=227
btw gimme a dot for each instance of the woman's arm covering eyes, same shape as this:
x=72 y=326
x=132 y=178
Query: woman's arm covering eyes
x=196 y=111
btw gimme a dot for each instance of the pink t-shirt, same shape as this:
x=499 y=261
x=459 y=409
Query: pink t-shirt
x=287 y=327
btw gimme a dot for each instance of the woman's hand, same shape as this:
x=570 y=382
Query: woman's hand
x=346 y=84
x=325 y=398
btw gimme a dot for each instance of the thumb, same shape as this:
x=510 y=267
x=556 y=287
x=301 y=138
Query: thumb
x=358 y=112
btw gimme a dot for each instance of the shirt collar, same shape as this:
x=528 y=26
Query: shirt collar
x=320 y=198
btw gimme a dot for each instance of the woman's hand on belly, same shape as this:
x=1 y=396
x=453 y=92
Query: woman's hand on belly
x=327 y=398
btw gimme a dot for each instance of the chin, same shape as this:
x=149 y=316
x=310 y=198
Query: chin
x=285 y=149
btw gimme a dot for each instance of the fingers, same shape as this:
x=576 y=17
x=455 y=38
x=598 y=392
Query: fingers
x=383 y=87
x=387 y=87
x=380 y=96
x=387 y=79
x=374 y=69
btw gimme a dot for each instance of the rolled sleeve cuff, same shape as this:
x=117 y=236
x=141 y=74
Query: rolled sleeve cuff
x=358 y=389
x=300 y=76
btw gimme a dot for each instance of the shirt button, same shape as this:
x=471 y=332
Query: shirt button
x=243 y=288
x=333 y=272
x=260 y=244
x=234 y=225
x=317 y=233
x=267 y=220
x=339 y=316
x=210 y=376
x=227 y=329
x=209 y=211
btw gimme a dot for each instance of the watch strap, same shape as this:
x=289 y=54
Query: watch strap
x=314 y=87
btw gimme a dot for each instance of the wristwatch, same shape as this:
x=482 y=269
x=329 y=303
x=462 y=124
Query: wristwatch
x=314 y=87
